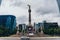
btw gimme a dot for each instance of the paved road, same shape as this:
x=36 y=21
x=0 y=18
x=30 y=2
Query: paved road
x=32 y=38
x=9 y=38
x=46 y=38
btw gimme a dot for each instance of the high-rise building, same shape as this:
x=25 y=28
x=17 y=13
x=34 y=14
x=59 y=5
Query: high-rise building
x=50 y=25
x=22 y=27
x=58 y=2
x=38 y=26
x=8 y=21
x=0 y=2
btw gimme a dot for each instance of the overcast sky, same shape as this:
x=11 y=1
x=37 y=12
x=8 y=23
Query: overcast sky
x=41 y=10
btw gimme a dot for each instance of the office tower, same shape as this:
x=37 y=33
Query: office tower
x=8 y=21
x=58 y=2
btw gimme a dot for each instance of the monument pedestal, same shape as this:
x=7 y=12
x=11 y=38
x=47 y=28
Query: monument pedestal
x=25 y=38
x=30 y=31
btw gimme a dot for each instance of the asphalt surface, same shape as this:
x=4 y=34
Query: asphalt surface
x=46 y=38
x=31 y=38
x=9 y=38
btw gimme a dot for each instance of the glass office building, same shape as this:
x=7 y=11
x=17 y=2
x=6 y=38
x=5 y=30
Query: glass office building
x=58 y=2
x=50 y=25
x=8 y=21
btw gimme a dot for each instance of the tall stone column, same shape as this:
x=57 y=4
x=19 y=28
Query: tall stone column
x=30 y=28
x=29 y=11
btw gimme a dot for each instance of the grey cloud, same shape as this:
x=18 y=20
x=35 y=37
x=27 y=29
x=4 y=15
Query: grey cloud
x=17 y=3
x=45 y=11
x=58 y=15
x=50 y=6
x=22 y=19
x=40 y=9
